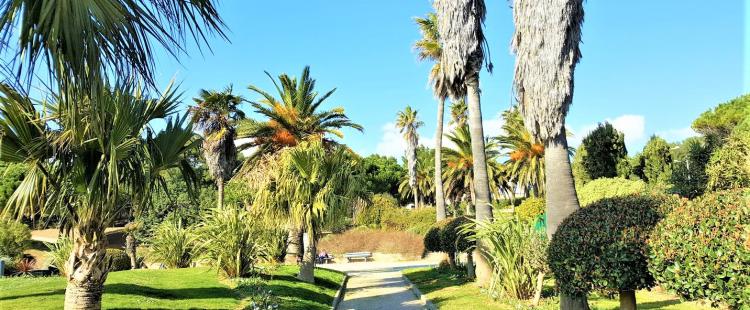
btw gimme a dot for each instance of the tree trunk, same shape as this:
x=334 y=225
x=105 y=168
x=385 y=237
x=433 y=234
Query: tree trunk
x=295 y=248
x=220 y=191
x=307 y=270
x=561 y=199
x=452 y=259
x=627 y=300
x=416 y=198
x=470 y=265
x=538 y=289
x=439 y=193
x=481 y=180
x=88 y=269
x=130 y=250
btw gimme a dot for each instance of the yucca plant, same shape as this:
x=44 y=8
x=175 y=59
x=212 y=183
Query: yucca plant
x=172 y=245
x=58 y=254
x=228 y=240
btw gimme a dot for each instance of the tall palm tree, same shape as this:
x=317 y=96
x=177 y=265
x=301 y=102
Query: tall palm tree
x=460 y=25
x=217 y=113
x=545 y=64
x=407 y=122
x=428 y=48
x=312 y=187
x=425 y=172
x=459 y=114
x=525 y=154
x=293 y=117
x=87 y=151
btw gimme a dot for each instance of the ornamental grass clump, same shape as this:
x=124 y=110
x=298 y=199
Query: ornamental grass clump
x=701 y=250
x=603 y=247
x=172 y=245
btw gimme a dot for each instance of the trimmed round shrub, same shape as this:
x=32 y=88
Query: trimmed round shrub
x=452 y=239
x=531 y=208
x=608 y=188
x=118 y=260
x=701 y=250
x=14 y=238
x=604 y=246
x=432 y=237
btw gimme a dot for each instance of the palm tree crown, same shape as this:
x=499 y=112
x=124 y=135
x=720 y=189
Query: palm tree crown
x=525 y=154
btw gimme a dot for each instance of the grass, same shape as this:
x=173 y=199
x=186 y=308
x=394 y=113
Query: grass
x=189 y=288
x=448 y=291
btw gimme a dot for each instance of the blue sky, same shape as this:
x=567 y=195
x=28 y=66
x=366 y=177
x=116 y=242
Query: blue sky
x=649 y=67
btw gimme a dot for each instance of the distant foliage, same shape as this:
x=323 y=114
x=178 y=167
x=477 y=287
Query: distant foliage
x=580 y=175
x=10 y=177
x=608 y=188
x=371 y=214
x=172 y=245
x=701 y=250
x=729 y=166
x=531 y=208
x=603 y=246
x=382 y=174
x=417 y=221
x=689 y=177
x=657 y=161
x=605 y=147
x=118 y=260
x=718 y=123
x=14 y=239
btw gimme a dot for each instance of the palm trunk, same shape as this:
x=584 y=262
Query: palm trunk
x=470 y=265
x=439 y=199
x=130 y=250
x=481 y=180
x=627 y=300
x=294 y=248
x=220 y=190
x=88 y=271
x=561 y=199
x=452 y=259
x=307 y=270
x=416 y=198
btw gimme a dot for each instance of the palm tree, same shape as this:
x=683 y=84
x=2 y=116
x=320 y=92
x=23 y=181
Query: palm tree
x=459 y=113
x=460 y=25
x=425 y=172
x=312 y=187
x=86 y=152
x=293 y=117
x=216 y=113
x=429 y=49
x=543 y=82
x=525 y=154
x=408 y=123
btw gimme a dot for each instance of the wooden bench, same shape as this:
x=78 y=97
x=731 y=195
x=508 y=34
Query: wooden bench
x=358 y=255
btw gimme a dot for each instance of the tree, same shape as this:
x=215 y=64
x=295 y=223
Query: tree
x=425 y=171
x=460 y=24
x=657 y=161
x=459 y=115
x=217 y=113
x=293 y=117
x=99 y=150
x=525 y=154
x=689 y=167
x=605 y=148
x=718 y=123
x=382 y=174
x=429 y=49
x=408 y=123
x=543 y=83
x=729 y=166
x=312 y=187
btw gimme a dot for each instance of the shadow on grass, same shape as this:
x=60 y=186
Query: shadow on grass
x=170 y=294
x=431 y=280
x=47 y=293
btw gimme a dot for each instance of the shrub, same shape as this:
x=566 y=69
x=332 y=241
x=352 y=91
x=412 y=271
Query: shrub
x=514 y=249
x=59 y=253
x=729 y=166
x=407 y=244
x=371 y=214
x=608 y=188
x=118 y=260
x=228 y=240
x=452 y=239
x=531 y=208
x=172 y=245
x=432 y=237
x=14 y=238
x=701 y=250
x=417 y=221
x=603 y=246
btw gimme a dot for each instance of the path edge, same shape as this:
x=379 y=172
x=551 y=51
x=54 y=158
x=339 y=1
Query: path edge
x=415 y=290
x=340 y=293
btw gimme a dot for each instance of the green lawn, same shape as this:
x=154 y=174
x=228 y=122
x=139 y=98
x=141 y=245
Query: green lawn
x=191 y=288
x=450 y=292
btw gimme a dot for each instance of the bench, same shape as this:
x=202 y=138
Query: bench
x=357 y=255
x=324 y=260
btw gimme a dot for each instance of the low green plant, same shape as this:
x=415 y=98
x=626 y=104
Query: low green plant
x=603 y=246
x=701 y=250
x=257 y=295
x=531 y=208
x=172 y=245
x=118 y=260
x=514 y=249
x=59 y=253
x=417 y=221
x=229 y=241
x=599 y=189
x=14 y=239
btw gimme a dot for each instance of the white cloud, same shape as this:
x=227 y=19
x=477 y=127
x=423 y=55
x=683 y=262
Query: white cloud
x=677 y=135
x=392 y=142
x=632 y=126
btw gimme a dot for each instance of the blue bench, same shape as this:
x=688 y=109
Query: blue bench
x=358 y=255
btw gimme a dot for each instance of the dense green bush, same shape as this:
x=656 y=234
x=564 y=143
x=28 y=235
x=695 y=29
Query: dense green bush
x=14 y=238
x=531 y=208
x=729 y=166
x=452 y=237
x=417 y=221
x=603 y=246
x=608 y=188
x=605 y=148
x=371 y=215
x=432 y=237
x=172 y=245
x=701 y=250
x=118 y=260
x=657 y=161
x=689 y=169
